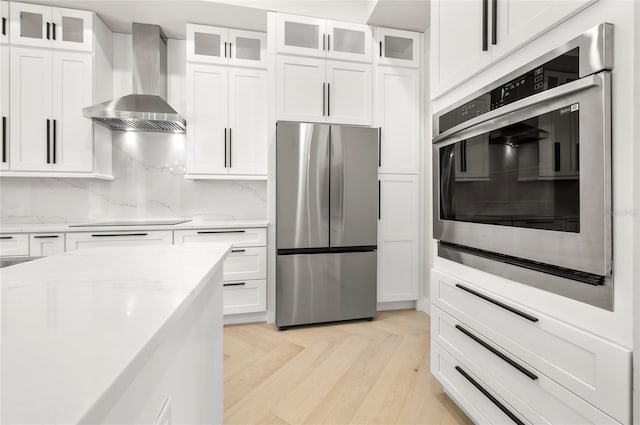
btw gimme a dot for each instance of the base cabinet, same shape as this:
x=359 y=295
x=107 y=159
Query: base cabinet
x=44 y=244
x=398 y=232
x=245 y=297
x=116 y=238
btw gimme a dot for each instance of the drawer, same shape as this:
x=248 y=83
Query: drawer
x=14 y=244
x=475 y=397
x=591 y=367
x=44 y=244
x=79 y=240
x=248 y=296
x=245 y=264
x=537 y=397
x=239 y=237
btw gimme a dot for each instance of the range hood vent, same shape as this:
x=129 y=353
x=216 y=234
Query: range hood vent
x=146 y=109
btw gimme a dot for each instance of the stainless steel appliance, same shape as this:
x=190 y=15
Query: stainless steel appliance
x=327 y=212
x=522 y=173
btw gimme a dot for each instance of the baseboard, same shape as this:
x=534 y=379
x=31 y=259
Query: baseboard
x=234 y=319
x=424 y=304
x=397 y=305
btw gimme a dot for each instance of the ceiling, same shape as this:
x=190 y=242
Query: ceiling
x=172 y=15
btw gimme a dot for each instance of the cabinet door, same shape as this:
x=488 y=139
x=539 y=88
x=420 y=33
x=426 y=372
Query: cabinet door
x=207 y=117
x=301 y=89
x=301 y=35
x=31 y=109
x=349 y=41
x=77 y=240
x=248 y=48
x=456 y=43
x=72 y=144
x=45 y=244
x=248 y=121
x=30 y=25
x=4 y=107
x=72 y=29
x=520 y=21
x=4 y=17
x=245 y=263
x=349 y=87
x=245 y=297
x=398 y=115
x=397 y=47
x=207 y=44
x=398 y=238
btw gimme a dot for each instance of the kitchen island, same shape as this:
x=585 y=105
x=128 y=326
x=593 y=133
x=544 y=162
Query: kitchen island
x=114 y=335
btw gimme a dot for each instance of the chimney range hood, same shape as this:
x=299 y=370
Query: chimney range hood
x=145 y=109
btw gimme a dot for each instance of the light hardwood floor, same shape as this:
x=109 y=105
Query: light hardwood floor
x=349 y=373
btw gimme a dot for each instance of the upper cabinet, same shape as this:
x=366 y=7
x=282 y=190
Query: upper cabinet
x=51 y=27
x=301 y=35
x=491 y=31
x=397 y=47
x=4 y=17
x=225 y=46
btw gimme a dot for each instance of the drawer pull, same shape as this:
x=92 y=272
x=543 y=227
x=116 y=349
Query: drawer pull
x=507 y=359
x=498 y=303
x=206 y=232
x=235 y=284
x=109 y=235
x=46 y=236
x=238 y=250
x=6 y=237
x=491 y=398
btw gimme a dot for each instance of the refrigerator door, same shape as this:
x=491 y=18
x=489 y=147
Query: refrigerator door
x=354 y=186
x=314 y=288
x=302 y=185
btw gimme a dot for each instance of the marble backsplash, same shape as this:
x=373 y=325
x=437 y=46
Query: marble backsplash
x=149 y=183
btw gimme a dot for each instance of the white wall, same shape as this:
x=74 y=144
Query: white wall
x=148 y=170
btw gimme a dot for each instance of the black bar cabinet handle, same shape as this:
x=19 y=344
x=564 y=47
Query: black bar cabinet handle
x=381 y=49
x=53 y=30
x=498 y=303
x=205 y=232
x=230 y=49
x=502 y=356
x=556 y=156
x=48 y=141
x=109 y=235
x=491 y=398
x=48 y=25
x=4 y=26
x=328 y=99
x=4 y=139
x=6 y=237
x=53 y=152
x=323 y=98
x=225 y=49
x=328 y=42
x=46 y=236
x=238 y=250
x=494 y=22
x=225 y=147
x=324 y=46
x=485 y=24
x=379 y=200
x=234 y=284
x=379 y=146
x=230 y=148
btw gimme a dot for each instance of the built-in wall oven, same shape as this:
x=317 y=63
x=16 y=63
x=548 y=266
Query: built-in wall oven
x=522 y=173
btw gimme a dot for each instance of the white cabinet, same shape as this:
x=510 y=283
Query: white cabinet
x=462 y=44
x=227 y=114
x=316 y=90
x=44 y=244
x=44 y=26
x=245 y=297
x=4 y=17
x=239 y=237
x=77 y=240
x=4 y=107
x=472 y=159
x=398 y=116
x=398 y=238
x=306 y=36
x=246 y=264
x=14 y=244
x=225 y=46
x=398 y=47
x=48 y=91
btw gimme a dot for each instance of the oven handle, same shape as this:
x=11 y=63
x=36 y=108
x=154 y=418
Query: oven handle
x=564 y=90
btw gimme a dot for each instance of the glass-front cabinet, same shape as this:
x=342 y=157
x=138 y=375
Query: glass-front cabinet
x=4 y=17
x=51 y=27
x=207 y=44
x=349 y=41
x=397 y=47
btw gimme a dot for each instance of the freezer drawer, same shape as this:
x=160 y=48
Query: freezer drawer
x=314 y=288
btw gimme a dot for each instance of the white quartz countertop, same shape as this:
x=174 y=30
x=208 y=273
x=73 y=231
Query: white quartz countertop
x=73 y=324
x=66 y=227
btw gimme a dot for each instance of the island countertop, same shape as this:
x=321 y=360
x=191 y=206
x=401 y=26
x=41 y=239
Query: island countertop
x=73 y=324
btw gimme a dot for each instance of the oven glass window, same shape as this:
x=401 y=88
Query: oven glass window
x=526 y=174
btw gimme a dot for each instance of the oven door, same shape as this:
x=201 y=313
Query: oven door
x=533 y=180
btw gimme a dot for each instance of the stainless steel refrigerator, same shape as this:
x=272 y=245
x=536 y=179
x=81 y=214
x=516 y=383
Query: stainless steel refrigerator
x=327 y=194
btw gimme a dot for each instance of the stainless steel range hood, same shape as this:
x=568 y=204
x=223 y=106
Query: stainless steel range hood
x=145 y=109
